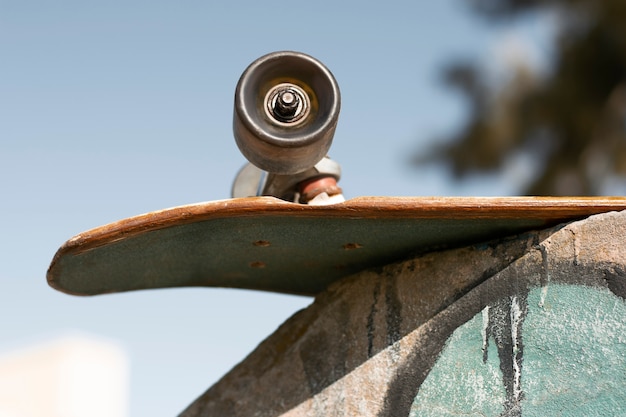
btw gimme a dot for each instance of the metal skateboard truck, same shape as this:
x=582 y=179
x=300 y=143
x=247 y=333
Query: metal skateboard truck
x=286 y=110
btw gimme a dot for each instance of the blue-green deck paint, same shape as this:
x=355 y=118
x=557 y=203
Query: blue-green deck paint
x=567 y=347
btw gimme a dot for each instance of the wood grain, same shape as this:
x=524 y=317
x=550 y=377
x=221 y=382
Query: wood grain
x=550 y=209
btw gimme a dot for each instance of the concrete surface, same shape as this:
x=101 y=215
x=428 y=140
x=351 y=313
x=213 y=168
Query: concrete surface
x=532 y=325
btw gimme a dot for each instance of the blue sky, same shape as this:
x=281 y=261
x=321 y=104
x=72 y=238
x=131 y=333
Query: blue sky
x=112 y=109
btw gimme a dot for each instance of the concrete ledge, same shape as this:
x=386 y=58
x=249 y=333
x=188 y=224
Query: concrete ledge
x=534 y=323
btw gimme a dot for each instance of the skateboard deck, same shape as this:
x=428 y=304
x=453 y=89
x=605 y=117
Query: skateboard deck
x=264 y=243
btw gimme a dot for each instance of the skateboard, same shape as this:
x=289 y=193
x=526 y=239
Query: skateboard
x=264 y=243
x=287 y=228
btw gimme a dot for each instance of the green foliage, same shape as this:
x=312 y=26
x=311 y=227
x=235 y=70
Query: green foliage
x=570 y=121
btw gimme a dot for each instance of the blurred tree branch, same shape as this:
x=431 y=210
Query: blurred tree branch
x=570 y=121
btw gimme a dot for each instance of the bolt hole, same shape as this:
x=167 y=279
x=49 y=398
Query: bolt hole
x=350 y=246
x=257 y=264
x=261 y=243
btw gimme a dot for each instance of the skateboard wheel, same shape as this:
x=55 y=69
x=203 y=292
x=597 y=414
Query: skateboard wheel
x=286 y=111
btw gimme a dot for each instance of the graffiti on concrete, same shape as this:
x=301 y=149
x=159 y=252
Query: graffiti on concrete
x=557 y=351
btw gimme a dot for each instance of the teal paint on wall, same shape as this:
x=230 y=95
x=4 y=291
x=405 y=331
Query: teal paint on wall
x=461 y=383
x=575 y=353
x=560 y=351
